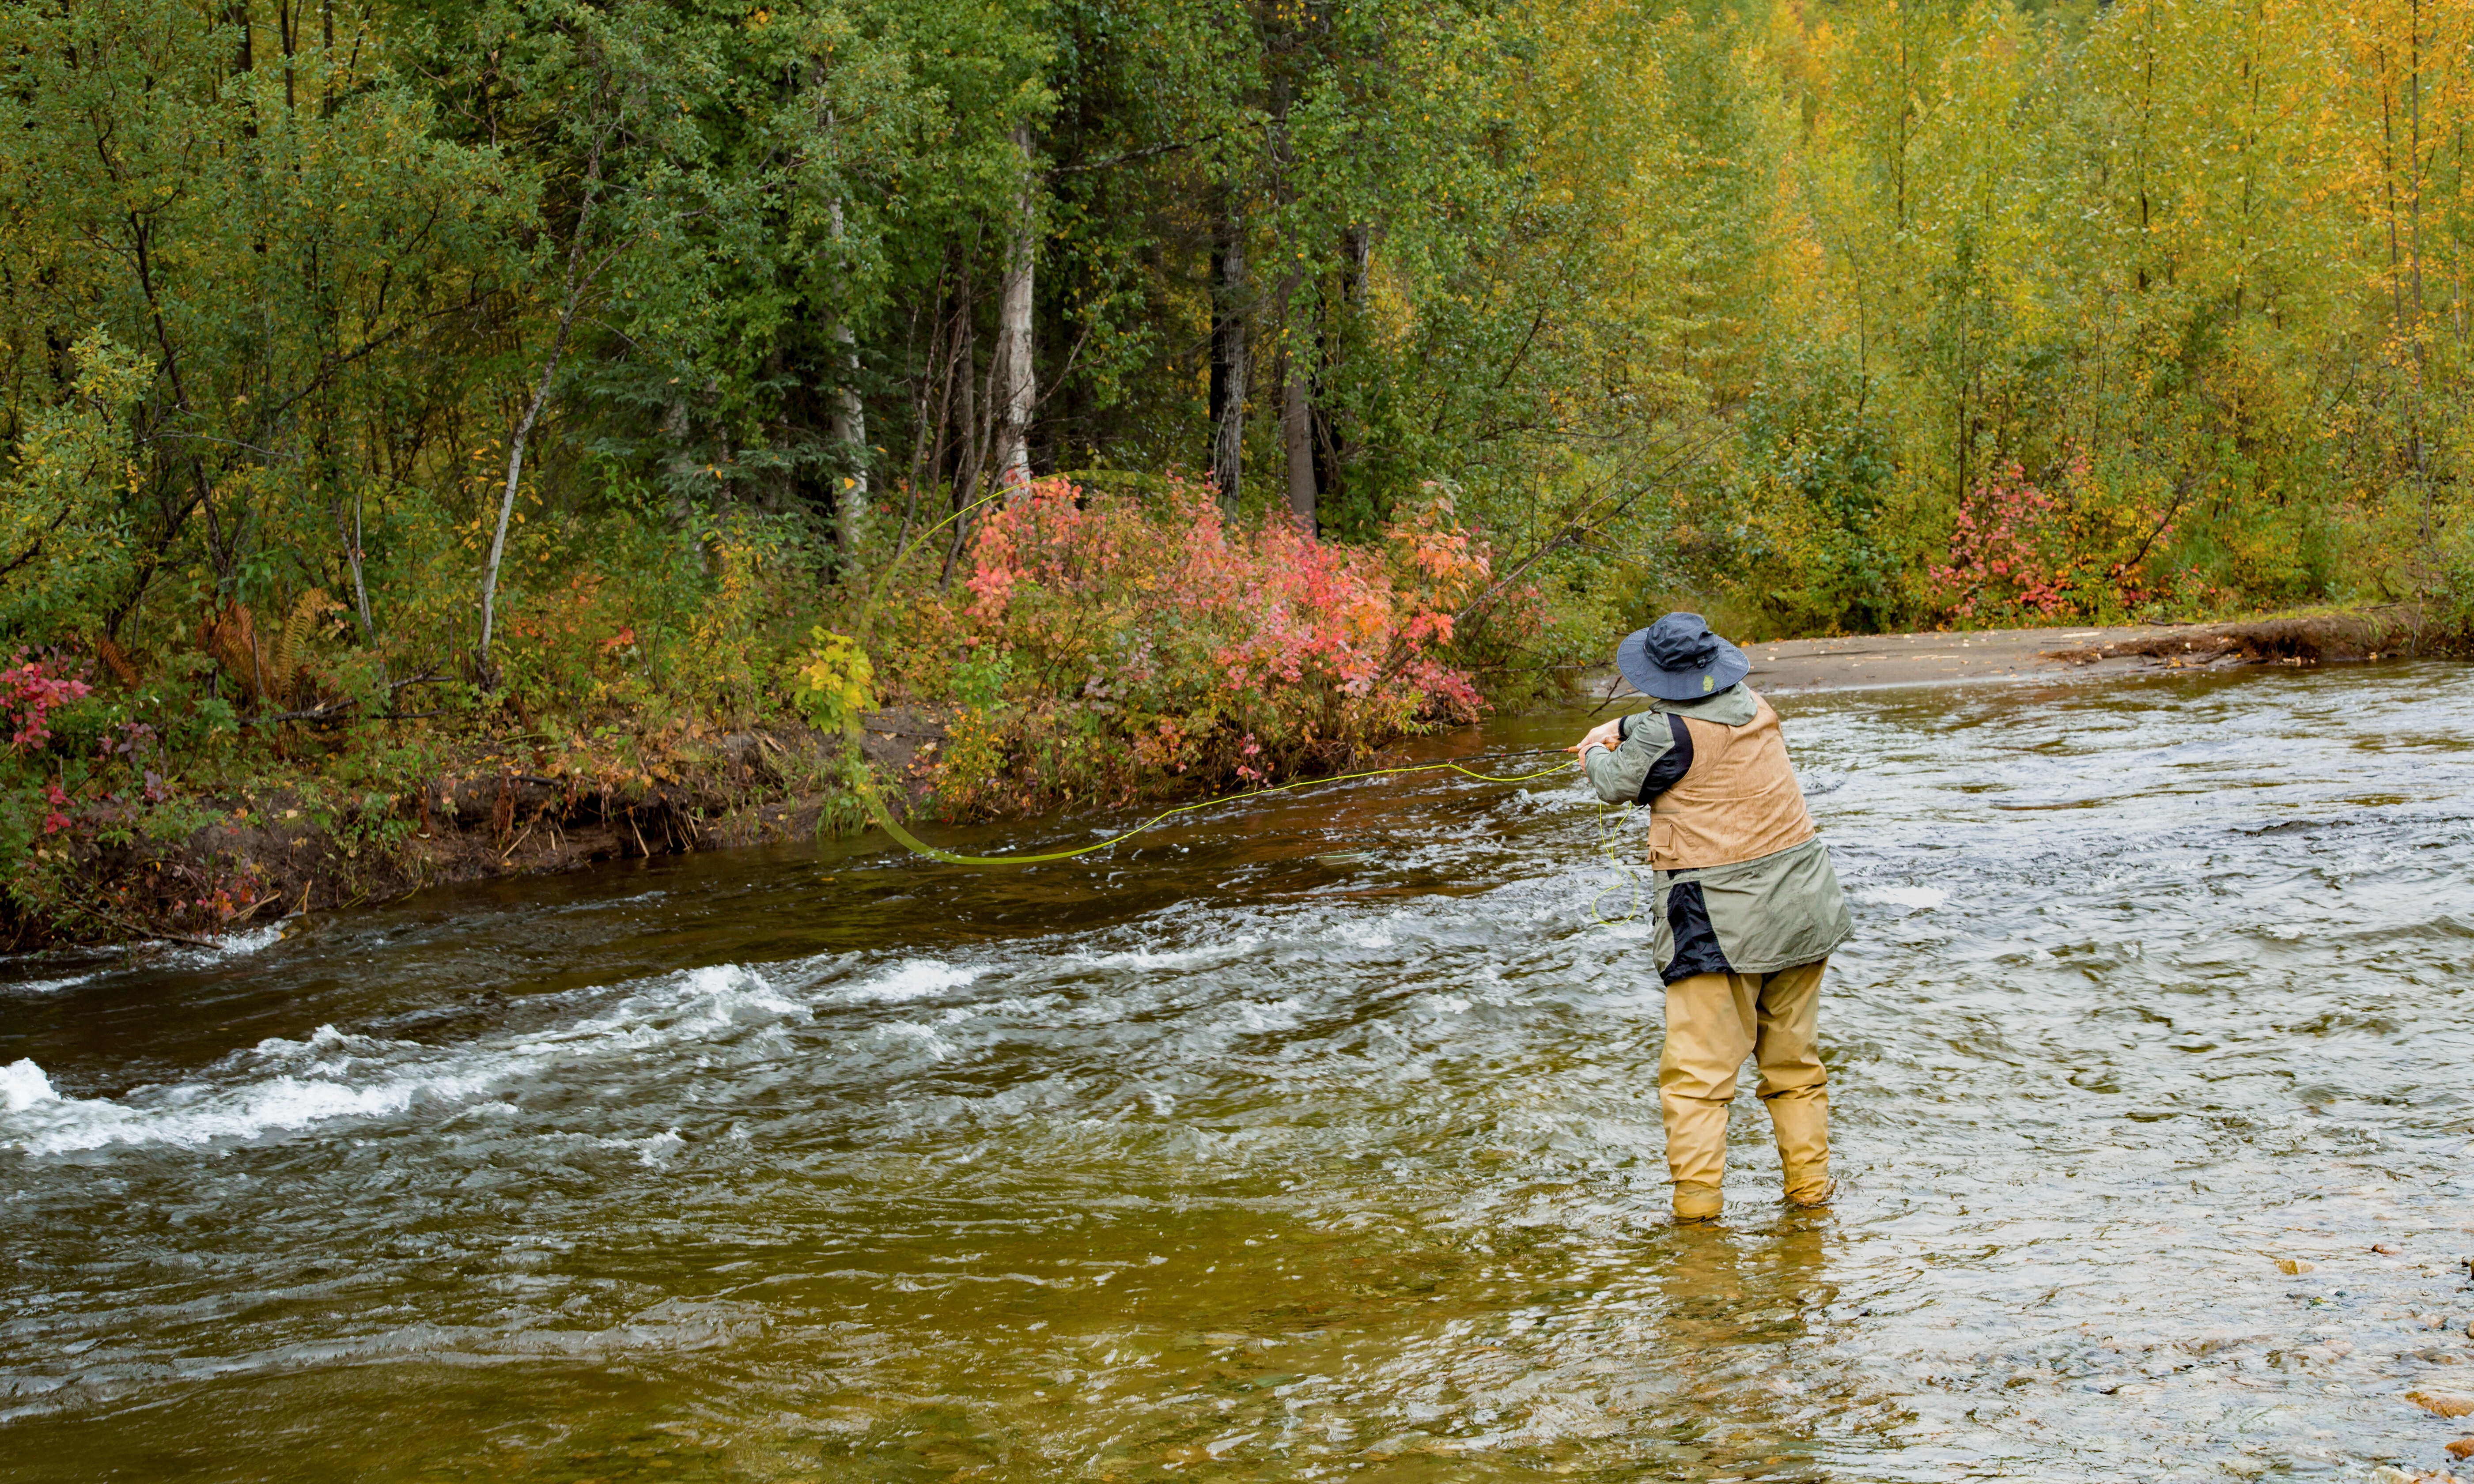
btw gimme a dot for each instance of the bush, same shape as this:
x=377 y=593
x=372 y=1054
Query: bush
x=33 y=805
x=1105 y=635
x=65 y=551
x=2020 y=553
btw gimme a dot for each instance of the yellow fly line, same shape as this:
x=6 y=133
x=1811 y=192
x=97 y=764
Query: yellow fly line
x=865 y=773
x=884 y=816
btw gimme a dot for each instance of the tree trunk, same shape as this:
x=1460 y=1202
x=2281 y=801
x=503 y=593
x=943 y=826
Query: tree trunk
x=523 y=430
x=1228 y=353
x=2413 y=411
x=679 y=467
x=350 y=537
x=1289 y=371
x=847 y=424
x=579 y=281
x=1012 y=392
x=966 y=419
x=1334 y=447
x=1296 y=433
x=968 y=439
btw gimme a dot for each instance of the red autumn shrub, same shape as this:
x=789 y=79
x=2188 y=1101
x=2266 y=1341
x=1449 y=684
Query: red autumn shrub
x=1105 y=630
x=2022 y=554
x=1998 y=567
x=28 y=693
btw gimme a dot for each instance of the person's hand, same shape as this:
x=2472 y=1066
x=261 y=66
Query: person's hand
x=1605 y=734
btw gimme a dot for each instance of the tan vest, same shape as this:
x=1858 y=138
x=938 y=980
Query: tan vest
x=1739 y=800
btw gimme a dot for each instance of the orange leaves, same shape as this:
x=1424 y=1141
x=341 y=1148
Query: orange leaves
x=1235 y=650
x=1434 y=542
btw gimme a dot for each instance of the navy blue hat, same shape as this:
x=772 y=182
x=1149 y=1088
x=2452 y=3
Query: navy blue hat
x=1678 y=659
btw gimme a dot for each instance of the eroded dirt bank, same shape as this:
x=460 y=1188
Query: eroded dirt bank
x=266 y=854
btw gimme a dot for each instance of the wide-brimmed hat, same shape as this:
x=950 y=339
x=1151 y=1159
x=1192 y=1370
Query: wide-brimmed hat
x=1678 y=659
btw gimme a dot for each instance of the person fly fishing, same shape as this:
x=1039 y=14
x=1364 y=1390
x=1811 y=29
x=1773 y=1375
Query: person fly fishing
x=1747 y=908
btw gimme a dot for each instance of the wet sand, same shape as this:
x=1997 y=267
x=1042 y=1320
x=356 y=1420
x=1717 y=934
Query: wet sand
x=1991 y=654
x=1864 y=661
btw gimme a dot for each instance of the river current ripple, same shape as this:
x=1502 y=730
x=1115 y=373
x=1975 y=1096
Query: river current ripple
x=1219 y=1159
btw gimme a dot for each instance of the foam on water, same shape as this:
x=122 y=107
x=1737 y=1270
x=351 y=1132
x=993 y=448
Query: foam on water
x=250 y=940
x=280 y=1085
x=46 y=985
x=1915 y=898
x=910 y=979
x=192 y=1114
x=1171 y=958
x=23 y=1085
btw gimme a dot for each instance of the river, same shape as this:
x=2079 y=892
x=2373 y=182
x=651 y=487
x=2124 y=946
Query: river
x=1239 y=1155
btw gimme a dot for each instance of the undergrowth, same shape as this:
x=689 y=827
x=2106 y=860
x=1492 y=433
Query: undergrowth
x=1091 y=647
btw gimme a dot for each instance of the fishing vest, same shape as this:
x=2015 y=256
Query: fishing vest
x=1740 y=799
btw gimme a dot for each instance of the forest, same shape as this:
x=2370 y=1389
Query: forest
x=1157 y=395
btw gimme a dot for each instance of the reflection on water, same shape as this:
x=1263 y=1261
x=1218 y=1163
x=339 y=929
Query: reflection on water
x=1231 y=1157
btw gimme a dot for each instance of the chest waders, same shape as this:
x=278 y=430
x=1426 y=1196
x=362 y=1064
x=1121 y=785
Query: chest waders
x=1738 y=803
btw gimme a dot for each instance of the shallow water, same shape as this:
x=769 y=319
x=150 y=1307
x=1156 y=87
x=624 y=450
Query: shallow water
x=1215 y=1160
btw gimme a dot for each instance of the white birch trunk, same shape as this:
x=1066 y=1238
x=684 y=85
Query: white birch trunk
x=1014 y=391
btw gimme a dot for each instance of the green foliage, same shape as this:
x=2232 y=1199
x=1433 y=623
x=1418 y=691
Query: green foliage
x=835 y=680
x=65 y=549
x=979 y=681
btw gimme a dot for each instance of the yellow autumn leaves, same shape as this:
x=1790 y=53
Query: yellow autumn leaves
x=835 y=679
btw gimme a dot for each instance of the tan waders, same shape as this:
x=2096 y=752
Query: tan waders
x=1714 y=1021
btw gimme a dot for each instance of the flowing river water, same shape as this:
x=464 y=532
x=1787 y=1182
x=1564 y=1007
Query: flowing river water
x=1217 y=1158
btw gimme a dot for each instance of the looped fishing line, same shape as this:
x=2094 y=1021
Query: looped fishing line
x=874 y=801
x=1610 y=846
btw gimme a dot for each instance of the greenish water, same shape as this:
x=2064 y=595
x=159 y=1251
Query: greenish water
x=1228 y=1156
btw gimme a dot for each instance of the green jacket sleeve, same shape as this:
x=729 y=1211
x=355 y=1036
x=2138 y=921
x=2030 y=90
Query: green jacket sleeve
x=1617 y=774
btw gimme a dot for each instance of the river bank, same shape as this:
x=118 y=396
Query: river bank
x=512 y=807
x=495 y=807
x=1097 y=647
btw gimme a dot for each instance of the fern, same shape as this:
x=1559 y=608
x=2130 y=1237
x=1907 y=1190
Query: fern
x=264 y=669
x=116 y=659
x=283 y=666
x=231 y=637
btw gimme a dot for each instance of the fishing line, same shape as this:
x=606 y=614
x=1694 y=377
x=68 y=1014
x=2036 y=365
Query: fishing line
x=884 y=817
x=864 y=776
x=1610 y=845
